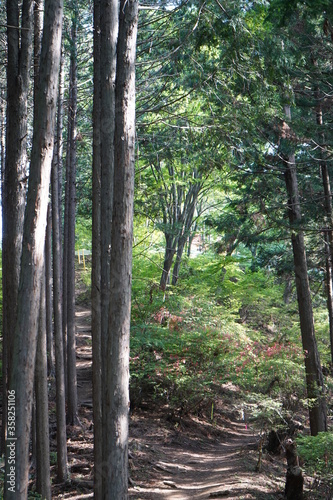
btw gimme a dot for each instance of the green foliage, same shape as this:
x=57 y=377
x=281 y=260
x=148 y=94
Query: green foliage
x=317 y=453
x=224 y=323
x=83 y=231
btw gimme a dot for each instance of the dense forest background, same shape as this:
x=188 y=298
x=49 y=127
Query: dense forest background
x=209 y=264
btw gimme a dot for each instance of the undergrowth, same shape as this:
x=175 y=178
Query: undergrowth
x=223 y=323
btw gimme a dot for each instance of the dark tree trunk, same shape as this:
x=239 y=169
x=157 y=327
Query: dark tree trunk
x=170 y=250
x=48 y=293
x=43 y=479
x=176 y=267
x=71 y=191
x=57 y=299
x=328 y=236
x=294 y=478
x=25 y=339
x=19 y=50
x=109 y=24
x=96 y=263
x=117 y=401
x=314 y=377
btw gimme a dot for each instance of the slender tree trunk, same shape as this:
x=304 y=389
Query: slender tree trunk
x=56 y=174
x=328 y=236
x=48 y=292
x=117 y=401
x=186 y=231
x=2 y=136
x=179 y=255
x=71 y=191
x=96 y=263
x=43 y=482
x=19 y=47
x=25 y=338
x=314 y=377
x=170 y=250
x=57 y=308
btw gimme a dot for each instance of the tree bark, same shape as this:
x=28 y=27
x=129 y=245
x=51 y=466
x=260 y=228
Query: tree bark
x=19 y=47
x=48 y=293
x=25 y=338
x=117 y=402
x=328 y=236
x=62 y=472
x=314 y=377
x=170 y=250
x=43 y=481
x=96 y=263
x=72 y=417
x=109 y=24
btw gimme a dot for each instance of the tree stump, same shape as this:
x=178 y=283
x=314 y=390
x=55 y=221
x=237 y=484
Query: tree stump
x=294 y=479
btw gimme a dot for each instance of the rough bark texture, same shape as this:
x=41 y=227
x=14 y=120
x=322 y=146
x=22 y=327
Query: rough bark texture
x=71 y=191
x=19 y=46
x=96 y=263
x=43 y=479
x=25 y=338
x=121 y=257
x=57 y=303
x=109 y=23
x=48 y=293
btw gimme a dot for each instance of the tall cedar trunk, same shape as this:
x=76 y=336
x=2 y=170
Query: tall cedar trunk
x=25 y=338
x=19 y=47
x=57 y=308
x=314 y=377
x=64 y=278
x=71 y=179
x=96 y=263
x=2 y=136
x=328 y=236
x=43 y=481
x=117 y=401
x=109 y=23
x=48 y=293
x=328 y=248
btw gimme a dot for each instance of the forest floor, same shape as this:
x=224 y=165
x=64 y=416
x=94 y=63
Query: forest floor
x=212 y=456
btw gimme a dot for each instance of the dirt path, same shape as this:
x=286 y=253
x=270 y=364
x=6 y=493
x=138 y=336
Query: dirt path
x=193 y=463
x=188 y=459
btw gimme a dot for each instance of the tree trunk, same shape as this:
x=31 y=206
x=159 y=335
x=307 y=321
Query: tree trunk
x=48 y=293
x=176 y=267
x=19 y=50
x=96 y=263
x=57 y=302
x=117 y=402
x=294 y=479
x=170 y=250
x=71 y=179
x=25 y=338
x=314 y=377
x=43 y=481
x=328 y=236
x=109 y=24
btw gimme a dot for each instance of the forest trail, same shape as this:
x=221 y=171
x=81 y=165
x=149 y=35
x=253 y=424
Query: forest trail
x=198 y=460
x=175 y=459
